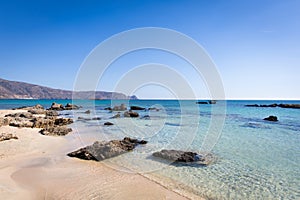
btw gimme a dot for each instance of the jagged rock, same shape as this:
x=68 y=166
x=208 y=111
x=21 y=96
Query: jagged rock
x=122 y=107
x=185 y=156
x=22 y=115
x=116 y=116
x=56 y=131
x=51 y=113
x=21 y=122
x=271 y=118
x=136 y=108
x=71 y=107
x=43 y=122
x=87 y=112
x=63 y=121
x=37 y=111
x=131 y=114
x=108 y=124
x=103 y=150
x=7 y=136
x=56 y=106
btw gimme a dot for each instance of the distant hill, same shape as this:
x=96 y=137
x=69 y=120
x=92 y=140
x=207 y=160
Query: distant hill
x=21 y=90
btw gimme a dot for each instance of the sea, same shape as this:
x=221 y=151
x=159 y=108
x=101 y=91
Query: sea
x=255 y=159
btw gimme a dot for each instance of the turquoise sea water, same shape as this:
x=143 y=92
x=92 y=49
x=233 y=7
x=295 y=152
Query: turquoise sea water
x=257 y=159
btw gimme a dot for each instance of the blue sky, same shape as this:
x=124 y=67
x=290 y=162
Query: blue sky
x=255 y=44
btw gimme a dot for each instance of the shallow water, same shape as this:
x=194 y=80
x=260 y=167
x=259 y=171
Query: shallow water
x=257 y=159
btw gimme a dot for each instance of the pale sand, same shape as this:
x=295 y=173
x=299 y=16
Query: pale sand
x=36 y=167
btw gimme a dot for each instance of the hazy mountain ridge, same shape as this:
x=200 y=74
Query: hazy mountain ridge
x=21 y=90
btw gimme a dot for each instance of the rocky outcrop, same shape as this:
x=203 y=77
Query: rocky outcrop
x=185 y=156
x=56 y=131
x=137 y=108
x=7 y=136
x=131 y=114
x=56 y=106
x=207 y=102
x=271 y=118
x=274 y=105
x=101 y=150
x=71 y=107
x=60 y=107
x=49 y=122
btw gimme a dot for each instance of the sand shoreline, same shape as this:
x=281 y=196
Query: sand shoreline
x=36 y=167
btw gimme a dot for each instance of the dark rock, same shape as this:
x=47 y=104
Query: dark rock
x=104 y=150
x=108 y=124
x=56 y=106
x=96 y=118
x=7 y=136
x=271 y=118
x=185 y=156
x=63 y=121
x=88 y=119
x=136 y=108
x=122 y=107
x=252 y=105
x=295 y=106
x=87 y=112
x=71 y=107
x=201 y=102
x=56 y=131
x=131 y=114
x=153 y=108
x=108 y=108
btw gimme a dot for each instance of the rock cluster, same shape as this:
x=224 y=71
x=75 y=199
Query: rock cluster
x=101 y=150
x=59 y=107
x=185 y=156
x=49 y=122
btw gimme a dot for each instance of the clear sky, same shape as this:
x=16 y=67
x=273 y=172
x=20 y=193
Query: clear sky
x=255 y=44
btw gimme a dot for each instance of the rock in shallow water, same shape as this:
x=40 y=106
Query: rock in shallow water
x=271 y=118
x=185 y=156
x=101 y=150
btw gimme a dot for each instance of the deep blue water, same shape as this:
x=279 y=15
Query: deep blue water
x=257 y=159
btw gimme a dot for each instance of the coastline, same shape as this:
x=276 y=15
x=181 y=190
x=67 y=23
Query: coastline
x=36 y=167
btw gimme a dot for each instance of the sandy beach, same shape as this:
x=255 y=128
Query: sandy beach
x=35 y=166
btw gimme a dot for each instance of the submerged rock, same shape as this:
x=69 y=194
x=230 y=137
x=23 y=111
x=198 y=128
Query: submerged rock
x=271 y=118
x=108 y=124
x=7 y=136
x=101 y=150
x=87 y=112
x=118 y=115
x=185 y=156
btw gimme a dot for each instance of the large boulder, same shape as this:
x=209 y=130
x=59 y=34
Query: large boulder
x=271 y=118
x=185 y=156
x=101 y=150
x=7 y=136
x=56 y=131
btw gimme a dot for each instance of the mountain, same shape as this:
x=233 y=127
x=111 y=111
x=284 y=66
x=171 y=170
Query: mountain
x=21 y=90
